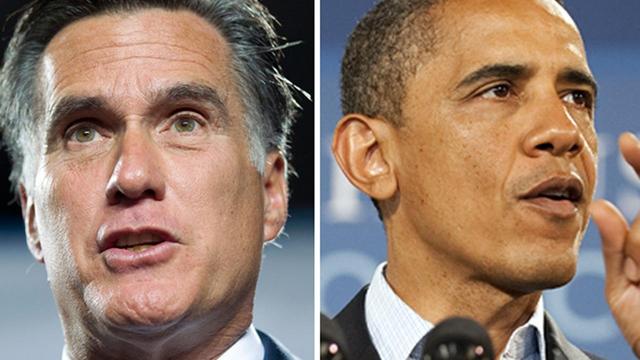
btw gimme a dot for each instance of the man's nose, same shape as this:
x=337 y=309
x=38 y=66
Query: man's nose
x=554 y=132
x=137 y=173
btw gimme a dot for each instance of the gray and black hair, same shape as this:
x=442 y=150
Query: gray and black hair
x=383 y=52
x=246 y=25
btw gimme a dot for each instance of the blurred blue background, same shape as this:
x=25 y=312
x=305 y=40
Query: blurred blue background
x=353 y=241
x=29 y=326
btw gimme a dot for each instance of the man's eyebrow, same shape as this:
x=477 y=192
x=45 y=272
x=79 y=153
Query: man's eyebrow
x=67 y=106
x=72 y=104
x=194 y=92
x=509 y=71
x=579 y=77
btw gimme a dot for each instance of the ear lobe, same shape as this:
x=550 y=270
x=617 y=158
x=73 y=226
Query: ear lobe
x=31 y=229
x=361 y=150
x=276 y=195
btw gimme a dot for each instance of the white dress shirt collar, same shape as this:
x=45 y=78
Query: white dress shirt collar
x=396 y=330
x=394 y=327
x=248 y=347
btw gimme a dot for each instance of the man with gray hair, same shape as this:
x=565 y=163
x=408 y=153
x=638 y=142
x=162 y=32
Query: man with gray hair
x=148 y=140
x=470 y=124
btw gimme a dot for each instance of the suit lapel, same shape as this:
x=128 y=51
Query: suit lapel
x=273 y=350
x=557 y=345
x=353 y=323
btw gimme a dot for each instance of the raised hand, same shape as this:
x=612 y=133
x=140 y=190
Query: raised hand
x=621 y=251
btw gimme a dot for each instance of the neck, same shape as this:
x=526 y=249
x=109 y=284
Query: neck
x=208 y=337
x=437 y=289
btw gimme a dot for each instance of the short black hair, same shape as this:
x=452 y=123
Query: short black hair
x=380 y=57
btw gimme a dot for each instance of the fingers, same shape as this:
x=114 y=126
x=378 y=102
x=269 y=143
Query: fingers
x=632 y=252
x=613 y=231
x=630 y=149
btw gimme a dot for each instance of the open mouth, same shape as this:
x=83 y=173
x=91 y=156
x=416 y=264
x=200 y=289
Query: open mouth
x=557 y=196
x=132 y=249
x=557 y=189
x=134 y=240
x=137 y=243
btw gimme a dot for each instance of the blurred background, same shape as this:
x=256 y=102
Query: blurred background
x=29 y=326
x=353 y=241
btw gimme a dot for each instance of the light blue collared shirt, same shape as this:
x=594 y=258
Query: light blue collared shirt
x=248 y=347
x=397 y=331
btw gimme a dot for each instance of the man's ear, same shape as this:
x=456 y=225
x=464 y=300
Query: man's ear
x=31 y=229
x=359 y=145
x=276 y=195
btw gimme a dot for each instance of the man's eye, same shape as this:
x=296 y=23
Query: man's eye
x=185 y=125
x=580 y=99
x=83 y=134
x=497 y=92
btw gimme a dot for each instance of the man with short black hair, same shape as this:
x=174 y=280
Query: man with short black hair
x=470 y=124
x=149 y=140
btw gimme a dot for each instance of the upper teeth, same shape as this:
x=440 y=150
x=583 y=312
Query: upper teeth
x=138 y=239
x=558 y=194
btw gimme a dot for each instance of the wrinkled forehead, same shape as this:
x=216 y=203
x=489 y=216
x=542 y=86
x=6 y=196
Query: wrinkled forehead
x=127 y=54
x=182 y=28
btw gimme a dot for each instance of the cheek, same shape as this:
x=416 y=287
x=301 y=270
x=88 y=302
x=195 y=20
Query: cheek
x=221 y=208
x=66 y=204
x=221 y=182
x=465 y=174
x=220 y=195
x=590 y=159
x=470 y=158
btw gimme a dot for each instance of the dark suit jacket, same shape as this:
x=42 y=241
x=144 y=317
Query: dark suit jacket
x=359 y=346
x=273 y=350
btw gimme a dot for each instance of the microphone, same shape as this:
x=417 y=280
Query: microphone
x=458 y=338
x=332 y=344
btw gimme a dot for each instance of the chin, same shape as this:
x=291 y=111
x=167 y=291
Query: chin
x=539 y=273
x=138 y=308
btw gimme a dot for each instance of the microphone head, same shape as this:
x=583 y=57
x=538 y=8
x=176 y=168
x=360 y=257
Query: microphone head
x=458 y=338
x=332 y=344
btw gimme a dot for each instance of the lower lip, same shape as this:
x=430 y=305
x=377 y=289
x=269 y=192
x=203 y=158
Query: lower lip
x=562 y=209
x=123 y=260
